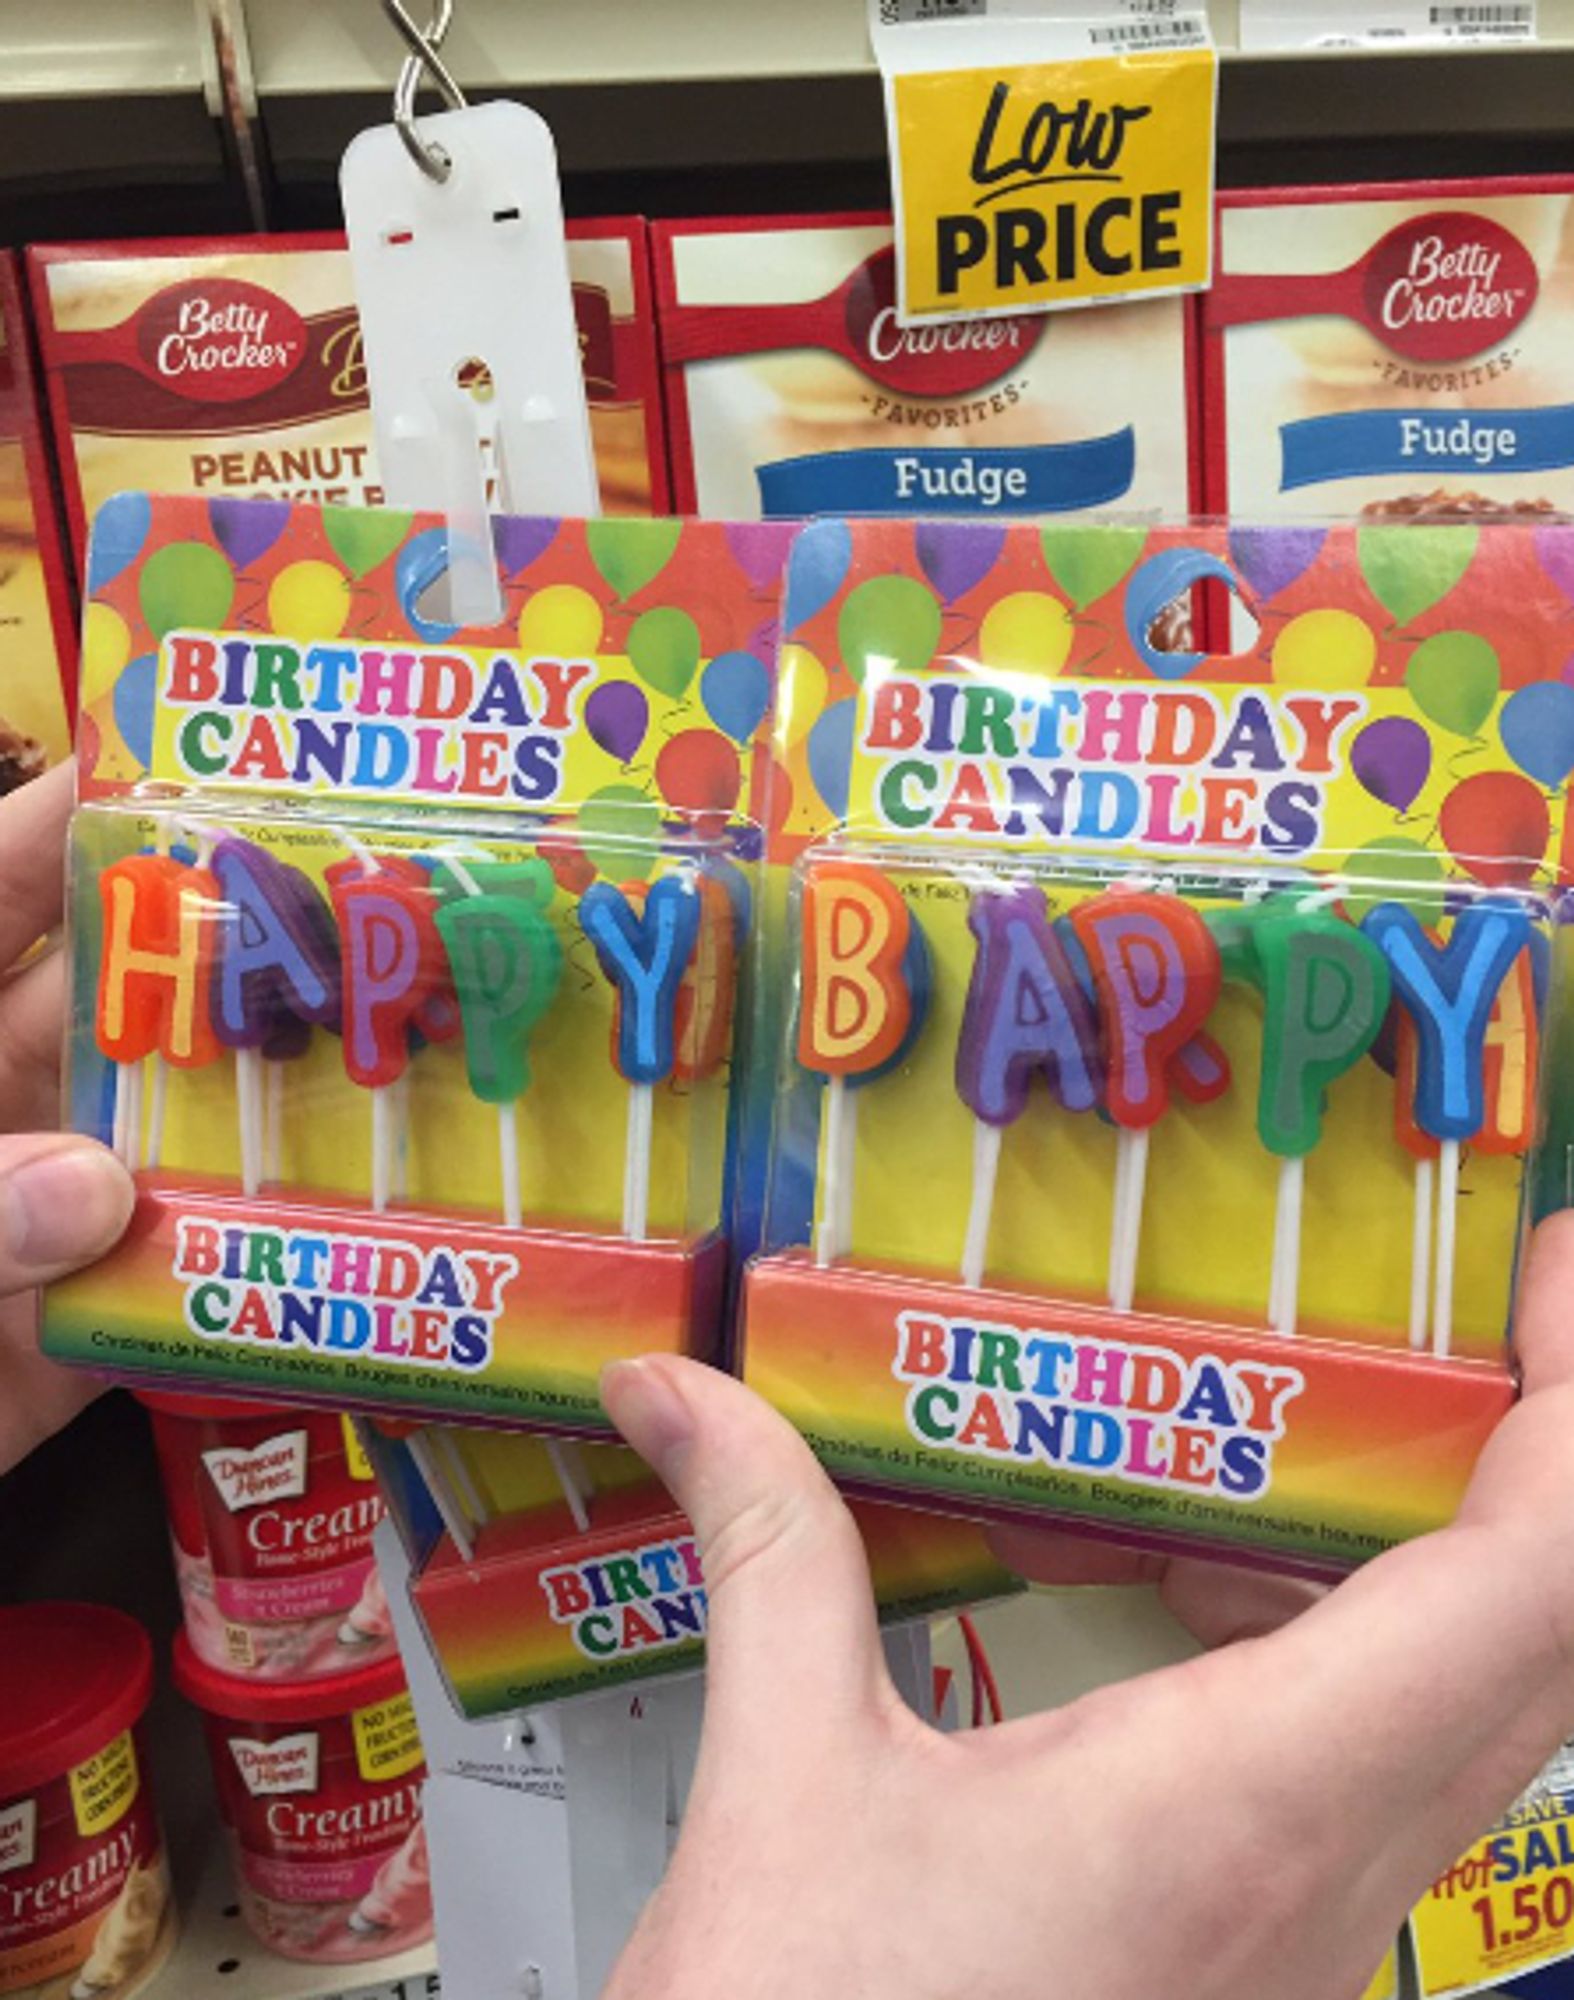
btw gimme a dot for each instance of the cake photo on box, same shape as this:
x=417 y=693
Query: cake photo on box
x=791 y=390
x=35 y=611
x=1392 y=353
x=233 y=369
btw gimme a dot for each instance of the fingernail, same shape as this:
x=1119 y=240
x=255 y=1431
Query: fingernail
x=63 y=1207
x=649 y=1409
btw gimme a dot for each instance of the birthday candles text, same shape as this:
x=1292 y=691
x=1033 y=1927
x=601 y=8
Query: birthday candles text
x=632 y=1602
x=443 y=724
x=1105 y=765
x=1095 y=1406
x=343 y=1294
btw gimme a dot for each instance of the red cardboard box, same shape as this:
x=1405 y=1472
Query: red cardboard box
x=36 y=617
x=791 y=390
x=1392 y=352
x=233 y=368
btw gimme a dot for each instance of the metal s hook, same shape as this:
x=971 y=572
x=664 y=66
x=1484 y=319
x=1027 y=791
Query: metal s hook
x=431 y=158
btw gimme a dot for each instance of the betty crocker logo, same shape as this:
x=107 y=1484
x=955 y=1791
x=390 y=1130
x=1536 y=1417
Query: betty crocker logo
x=1448 y=286
x=220 y=340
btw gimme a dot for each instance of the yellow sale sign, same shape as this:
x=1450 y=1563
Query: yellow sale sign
x=1505 y=1907
x=1022 y=187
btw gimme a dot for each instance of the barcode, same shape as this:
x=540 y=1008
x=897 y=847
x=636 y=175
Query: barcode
x=903 y=13
x=1177 y=34
x=1513 y=14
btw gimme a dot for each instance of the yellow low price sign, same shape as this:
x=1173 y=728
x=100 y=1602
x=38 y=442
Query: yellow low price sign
x=1022 y=187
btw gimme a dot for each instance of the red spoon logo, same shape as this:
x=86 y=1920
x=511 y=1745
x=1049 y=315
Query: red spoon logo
x=1448 y=286
x=858 y=322
x=1440 y=288
x=219 y=340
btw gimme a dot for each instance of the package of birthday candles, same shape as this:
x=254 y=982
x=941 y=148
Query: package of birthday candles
x=543 y=1568
x=1164 y=1096
x=406 y=957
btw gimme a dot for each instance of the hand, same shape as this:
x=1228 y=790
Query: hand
x=63 y=1200
x=1257 y=1821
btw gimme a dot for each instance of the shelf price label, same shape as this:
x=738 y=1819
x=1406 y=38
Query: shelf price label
x=1039 y=163
x=1506 y=1906
x=1388 y=24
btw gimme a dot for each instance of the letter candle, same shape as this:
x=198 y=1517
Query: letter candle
x=855 y=1013
x=1156 y=973
x=1025 y=1011
x=506 y=962
x=154 y=981
x=392 y=964
x=275 y=976
x=643 y=952
x=1325 y=990
x=1449 y=992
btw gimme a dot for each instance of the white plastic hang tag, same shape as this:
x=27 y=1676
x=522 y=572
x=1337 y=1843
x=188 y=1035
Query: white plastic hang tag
x=467 y=320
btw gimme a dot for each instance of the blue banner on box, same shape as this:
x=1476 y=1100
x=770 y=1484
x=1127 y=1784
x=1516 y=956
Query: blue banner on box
x=1480 y=442
x=953 y=479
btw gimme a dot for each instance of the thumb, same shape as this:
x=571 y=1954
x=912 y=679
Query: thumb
x=793 y=1645
x=63 y=1202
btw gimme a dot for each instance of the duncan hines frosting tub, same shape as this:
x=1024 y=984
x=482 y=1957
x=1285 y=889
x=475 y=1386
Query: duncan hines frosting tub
x=791 y=390
x=320 y=1790
x=85 y=1912
x=1392 y=352
x=271 y=1514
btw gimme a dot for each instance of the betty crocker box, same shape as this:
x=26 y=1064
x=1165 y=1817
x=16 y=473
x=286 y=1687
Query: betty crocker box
x=35 y=608
x=233 y=368
x=791 y=390
x=1388 y=352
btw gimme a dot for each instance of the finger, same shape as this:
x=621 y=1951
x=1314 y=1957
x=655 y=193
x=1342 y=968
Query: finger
x=32 y=1004
x=1220 y=1604
x=32 y=859
x=792 y=1646
x=63 y=1202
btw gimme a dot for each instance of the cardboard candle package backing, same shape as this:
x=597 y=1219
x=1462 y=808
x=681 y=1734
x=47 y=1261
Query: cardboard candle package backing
x=233 y=369
x=1160 y=1099
x=1391 y=353
x=379 y=924
x=36 y=619
x=791 y=390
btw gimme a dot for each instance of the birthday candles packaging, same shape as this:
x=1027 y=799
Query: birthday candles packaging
x=405 y=958
x=233 y=369
x=791 y=389
x=1391 y=352
x=560 y=1568
x=35 y=609
x=1156 y=1111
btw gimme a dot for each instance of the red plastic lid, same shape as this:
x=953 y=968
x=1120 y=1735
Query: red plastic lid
x=283 y=1701
x=215 y=1409
x=72 y=1678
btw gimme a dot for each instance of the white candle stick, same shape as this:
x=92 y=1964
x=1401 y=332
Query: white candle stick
x=636 y=1162
x=128 y=1113
x=568 y=1478
x=1285 y=1287
x=981 y=1207
x=382 y=1148
x=1447 y=1231
x=841 y=1146
x=445 y=1498
x=248 y=1102
x=1421 y=1254
x=1131 y=1186
x=464 y=1480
